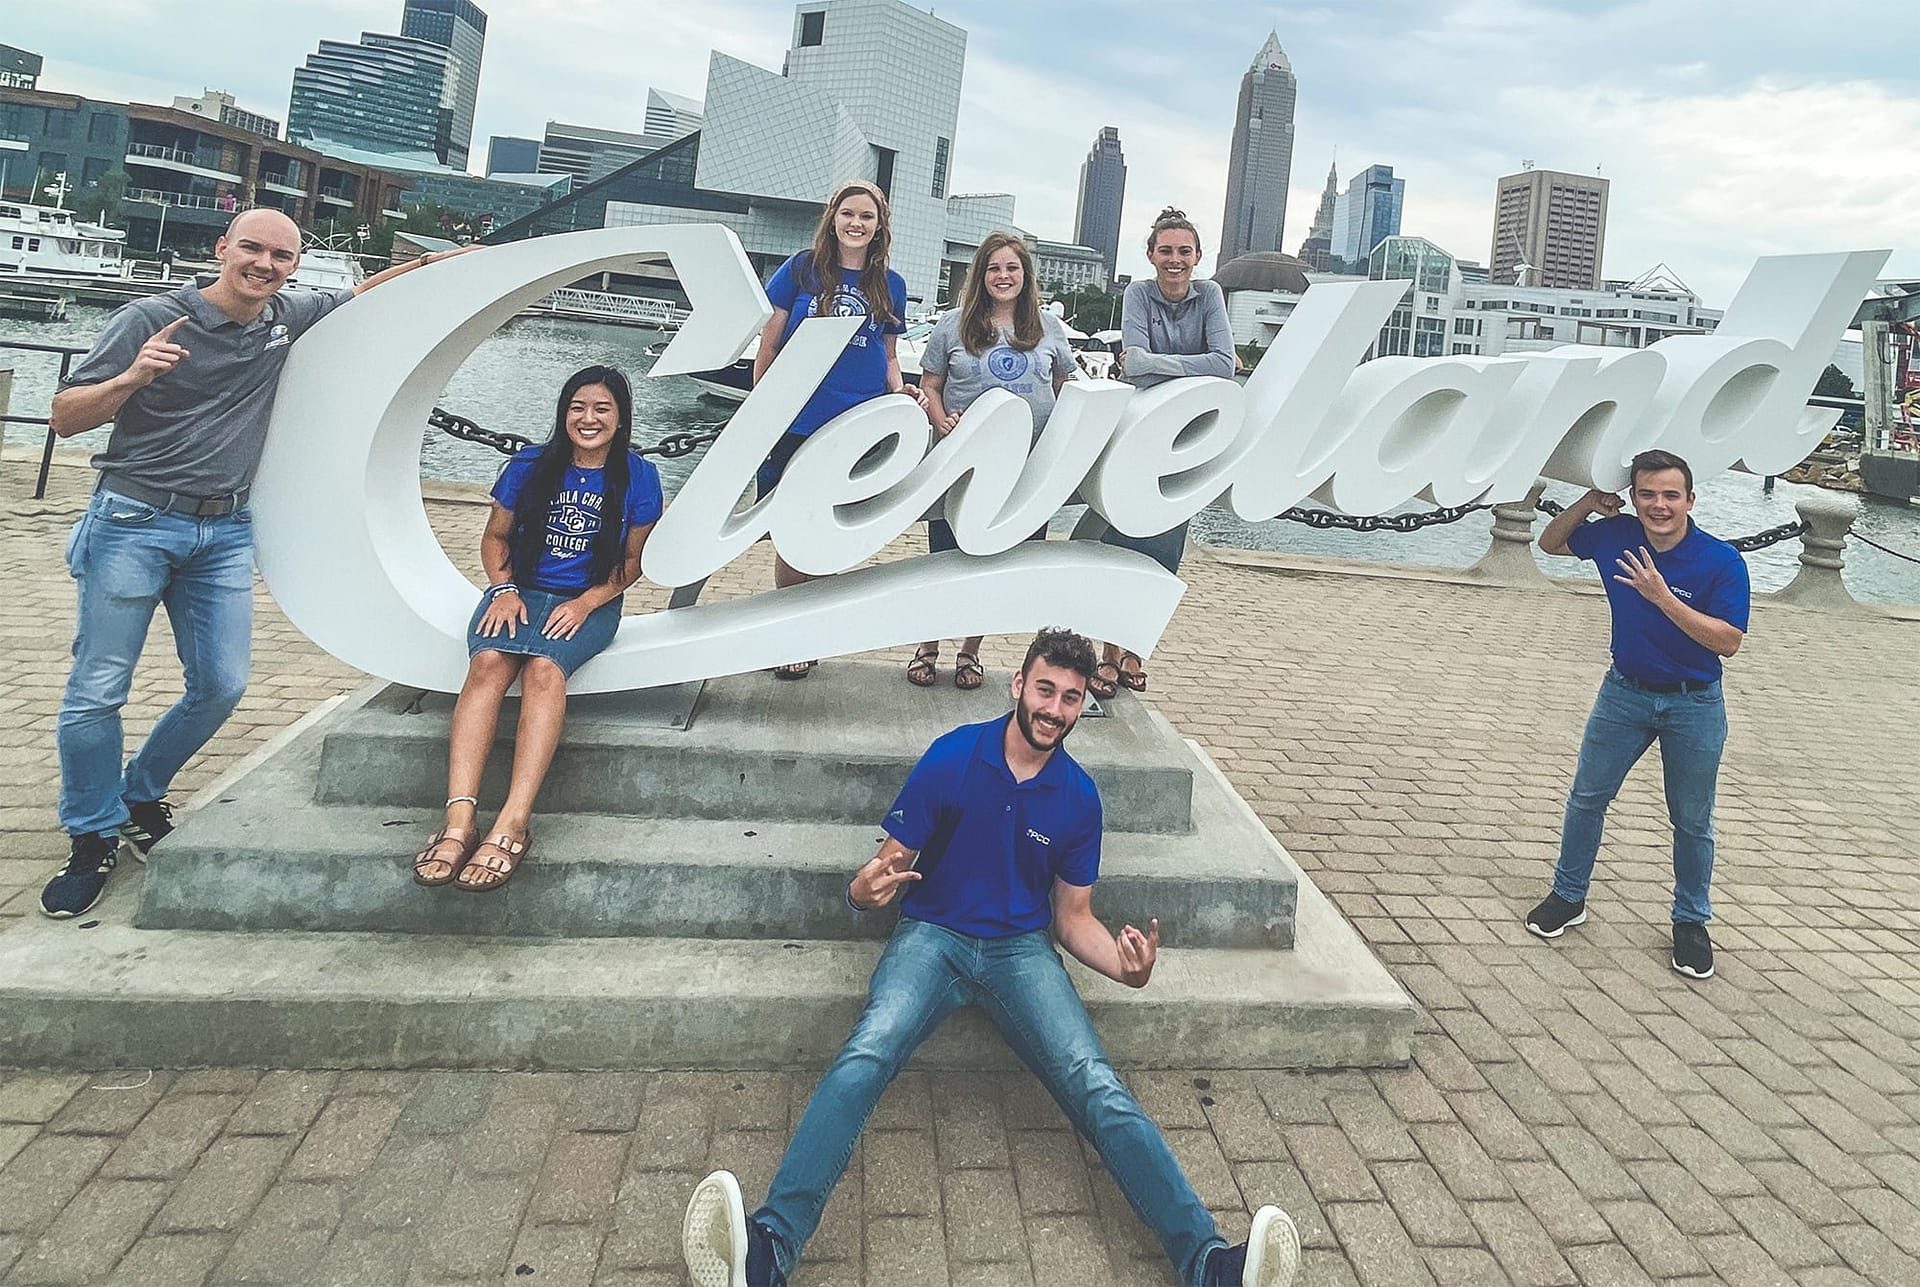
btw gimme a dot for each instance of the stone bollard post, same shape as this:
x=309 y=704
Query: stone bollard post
x=6 y=397
x=1829 y=516
x=1509 y=560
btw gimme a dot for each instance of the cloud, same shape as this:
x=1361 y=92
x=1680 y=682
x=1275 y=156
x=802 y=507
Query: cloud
x=1730 y=128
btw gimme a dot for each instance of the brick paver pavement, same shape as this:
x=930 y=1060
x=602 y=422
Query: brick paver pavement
x=1576 y=1113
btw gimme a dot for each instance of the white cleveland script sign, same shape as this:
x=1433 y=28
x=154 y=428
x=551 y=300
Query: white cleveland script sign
x=345 y=546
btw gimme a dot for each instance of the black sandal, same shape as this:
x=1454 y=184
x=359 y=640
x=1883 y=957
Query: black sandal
x=922 y=671
x=794 y=670
x=1135 y=679
x=967 y=671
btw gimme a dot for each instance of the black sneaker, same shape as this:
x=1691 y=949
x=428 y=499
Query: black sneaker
x=77 y=886
x=1692 y=950
x=148 y=823
x=1551 y=918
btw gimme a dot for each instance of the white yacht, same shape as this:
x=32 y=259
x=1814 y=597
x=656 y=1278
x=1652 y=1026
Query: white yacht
x=45 y=240
x=324 y=269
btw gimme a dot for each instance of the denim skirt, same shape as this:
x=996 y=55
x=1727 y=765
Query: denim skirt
x=594 y=634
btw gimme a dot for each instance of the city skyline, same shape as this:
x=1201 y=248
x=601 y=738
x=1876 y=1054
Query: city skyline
x=1692 y=139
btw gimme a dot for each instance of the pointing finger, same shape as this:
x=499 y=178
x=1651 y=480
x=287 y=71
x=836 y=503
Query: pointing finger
x=166 y=332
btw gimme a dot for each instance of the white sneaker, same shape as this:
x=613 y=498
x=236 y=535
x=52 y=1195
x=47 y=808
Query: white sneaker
x=1273 y=1250
x=713 y=1237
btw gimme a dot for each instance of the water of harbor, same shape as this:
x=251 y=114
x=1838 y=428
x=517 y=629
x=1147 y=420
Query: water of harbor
x=511 y=381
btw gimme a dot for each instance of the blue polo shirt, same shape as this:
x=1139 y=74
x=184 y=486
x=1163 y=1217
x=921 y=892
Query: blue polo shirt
x=990 y=847
x=1705 y=572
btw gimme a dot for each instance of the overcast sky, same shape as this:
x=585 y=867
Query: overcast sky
x=1729 y=128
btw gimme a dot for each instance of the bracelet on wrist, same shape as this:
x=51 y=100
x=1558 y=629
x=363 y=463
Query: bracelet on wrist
x=504 y=587
x=853 y=906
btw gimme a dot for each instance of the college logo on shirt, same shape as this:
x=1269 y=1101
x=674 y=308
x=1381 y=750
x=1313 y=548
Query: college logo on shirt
x=572 y=521
x=1034 y=835
x=277 y=338
x=1007 y=364
x=842 y=301
x=1684 y=594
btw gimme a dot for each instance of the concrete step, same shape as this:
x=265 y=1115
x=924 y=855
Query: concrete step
x=833 y=747
x=101 y=993
x=261 y=855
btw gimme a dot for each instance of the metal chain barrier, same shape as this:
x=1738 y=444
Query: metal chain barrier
x=671 y=447
x=686 y=442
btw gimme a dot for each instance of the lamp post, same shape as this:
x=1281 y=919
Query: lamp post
x=6 y=146
x=160 y=236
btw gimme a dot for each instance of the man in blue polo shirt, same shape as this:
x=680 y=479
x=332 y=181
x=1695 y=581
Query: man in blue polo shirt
x=994 y=838
x=1680 y=601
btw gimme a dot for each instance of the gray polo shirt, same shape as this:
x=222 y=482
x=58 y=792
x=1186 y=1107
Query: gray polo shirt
x=199 y=429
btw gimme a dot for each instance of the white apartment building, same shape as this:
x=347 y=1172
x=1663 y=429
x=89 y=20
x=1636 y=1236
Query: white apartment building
x=1445 y=314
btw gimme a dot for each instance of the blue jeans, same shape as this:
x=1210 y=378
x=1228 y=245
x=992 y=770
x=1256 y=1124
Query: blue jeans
x=128 y=557
x=925 y=974
x=1626 y=720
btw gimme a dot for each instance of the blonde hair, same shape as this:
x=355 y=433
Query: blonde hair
x=825 y=256
x=977 y=330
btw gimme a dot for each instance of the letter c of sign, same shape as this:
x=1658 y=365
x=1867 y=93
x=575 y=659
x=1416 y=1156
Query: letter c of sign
x=344 y=543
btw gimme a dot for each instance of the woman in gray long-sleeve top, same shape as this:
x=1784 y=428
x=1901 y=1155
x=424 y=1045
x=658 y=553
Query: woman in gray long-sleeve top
x=1170 y=327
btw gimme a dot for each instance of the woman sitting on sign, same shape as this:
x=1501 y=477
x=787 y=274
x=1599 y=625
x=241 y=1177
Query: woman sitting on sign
x=997 y=339
x=570 y=519
x=1172 y=326
x=844 y=274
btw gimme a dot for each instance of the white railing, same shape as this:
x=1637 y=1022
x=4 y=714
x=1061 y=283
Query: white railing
x=190 y=200
x=624 y=308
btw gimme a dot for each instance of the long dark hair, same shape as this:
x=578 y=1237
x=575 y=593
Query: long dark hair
x=822 y=268
x=528 y=539
x=977 y=331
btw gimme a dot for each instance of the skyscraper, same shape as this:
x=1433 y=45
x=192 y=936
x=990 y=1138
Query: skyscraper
x=1103 y=188
x=388 y=94
x=1318 y=246
x=1367 y=213
x=1553 y=223
x=1262 y=155
x=460 y=27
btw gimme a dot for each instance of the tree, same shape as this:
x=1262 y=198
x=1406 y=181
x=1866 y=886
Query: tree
x=1833 y=383
x=1090 y=308
x=100 y=200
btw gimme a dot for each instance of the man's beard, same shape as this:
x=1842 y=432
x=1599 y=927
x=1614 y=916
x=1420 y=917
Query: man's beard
x=1024 y=719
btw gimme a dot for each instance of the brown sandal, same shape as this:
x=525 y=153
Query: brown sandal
x=923 y=669
x=431 y=853
x=494 y=862
x=1135 y=679
x=1102 y=687
x=967 y=672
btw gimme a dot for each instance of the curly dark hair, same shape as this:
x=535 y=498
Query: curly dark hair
x=1060 y=647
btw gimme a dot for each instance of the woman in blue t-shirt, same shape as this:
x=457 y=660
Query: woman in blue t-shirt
x=854 y=235
x=557 y=564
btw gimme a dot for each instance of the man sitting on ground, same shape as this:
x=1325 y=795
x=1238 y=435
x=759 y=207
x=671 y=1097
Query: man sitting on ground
x=995 y=837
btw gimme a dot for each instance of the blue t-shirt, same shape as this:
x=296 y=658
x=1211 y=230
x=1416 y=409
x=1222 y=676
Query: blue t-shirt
x=574 y=516
x=1705 y=572
x=990 y=847
x=861 y=371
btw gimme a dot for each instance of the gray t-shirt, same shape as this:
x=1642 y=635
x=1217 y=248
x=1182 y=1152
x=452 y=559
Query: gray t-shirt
x=1027 y=373
x=199 y=429
x=1191 y=337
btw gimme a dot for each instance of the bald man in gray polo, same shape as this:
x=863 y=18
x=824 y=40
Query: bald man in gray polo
x=188 y=379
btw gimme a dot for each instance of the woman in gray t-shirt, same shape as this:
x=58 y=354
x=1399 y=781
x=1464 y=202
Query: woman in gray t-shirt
x=997 y=339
